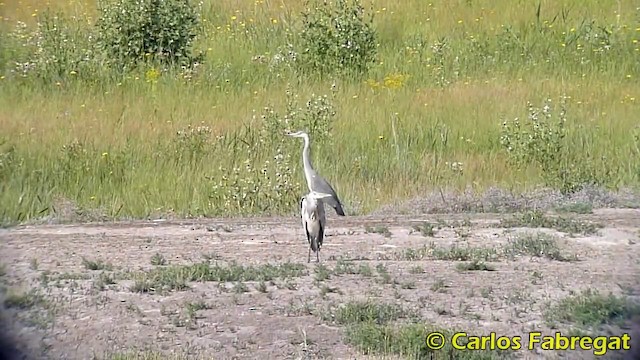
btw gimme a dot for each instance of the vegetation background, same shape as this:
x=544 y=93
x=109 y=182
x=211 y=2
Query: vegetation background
x=139 y=108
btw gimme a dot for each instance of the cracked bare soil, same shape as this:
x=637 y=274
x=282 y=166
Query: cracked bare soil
x=281 y=321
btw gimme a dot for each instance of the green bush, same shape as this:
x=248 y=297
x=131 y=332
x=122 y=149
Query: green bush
x=336 y=38
x=135 y=31
x=542 y=140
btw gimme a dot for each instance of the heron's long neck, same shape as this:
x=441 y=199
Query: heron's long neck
x=306 y=159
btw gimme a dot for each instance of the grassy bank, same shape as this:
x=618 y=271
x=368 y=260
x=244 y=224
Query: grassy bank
x=428 y=113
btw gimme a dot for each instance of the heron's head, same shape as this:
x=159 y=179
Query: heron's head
x=301 y=134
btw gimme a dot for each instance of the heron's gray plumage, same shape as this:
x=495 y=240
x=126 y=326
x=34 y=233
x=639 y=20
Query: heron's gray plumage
x=313 y=221
x=315 y=182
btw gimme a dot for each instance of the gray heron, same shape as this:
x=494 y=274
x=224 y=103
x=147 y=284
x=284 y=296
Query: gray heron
x=315 y=182
x=313 y=221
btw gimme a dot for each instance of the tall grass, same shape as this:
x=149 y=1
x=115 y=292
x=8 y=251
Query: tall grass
x=428 y=114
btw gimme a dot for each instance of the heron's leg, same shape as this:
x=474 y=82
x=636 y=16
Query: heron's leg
x=309 y=255
x=318 y=255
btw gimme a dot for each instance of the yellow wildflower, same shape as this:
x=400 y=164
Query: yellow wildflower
x=152 y=75
x=394 y=81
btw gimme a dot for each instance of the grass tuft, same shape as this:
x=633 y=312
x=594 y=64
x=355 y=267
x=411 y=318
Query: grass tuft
x=408 y=340
x=576 y=208
x=382 y=230
x=158 y=260
x=369 y=311
x=177 y=277
x=96 y=265
x=461 y=253
x=426 y=229
x=474 y=265
x=537 y=245
x=537 y=219
x=590 y=308
x=23 y=300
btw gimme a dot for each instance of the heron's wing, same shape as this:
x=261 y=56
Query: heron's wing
x=319 y=184
x=320 y=235
x=320 y=211
x=306 y=231
x=303 y=213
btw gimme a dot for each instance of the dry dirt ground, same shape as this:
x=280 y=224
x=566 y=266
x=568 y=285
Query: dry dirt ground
x=83 y=291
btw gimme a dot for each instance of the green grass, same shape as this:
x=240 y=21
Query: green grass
x=577 y=208
x=369 y=311
x=387 y=329
x=321 y=273
x=142 y=355
x=426 y=229
x=450 y=253
x=103 y=281
x=408 y=340
x=537 y=245
x=33 y=305
x=590 y=308
x=23 y=300
x=158 y=259
x=474 y=266
x=96 y=265
x=349 y=267
x=176 y=278
x=382 y=230
x=537 y=219
x=91 y=145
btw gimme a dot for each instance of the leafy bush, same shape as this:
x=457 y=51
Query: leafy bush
x=542 y=140
x=133 y=31
x=336 y=38
x=126 y=33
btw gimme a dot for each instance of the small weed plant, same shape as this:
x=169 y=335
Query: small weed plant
x=542 y=139
x=56 y=48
